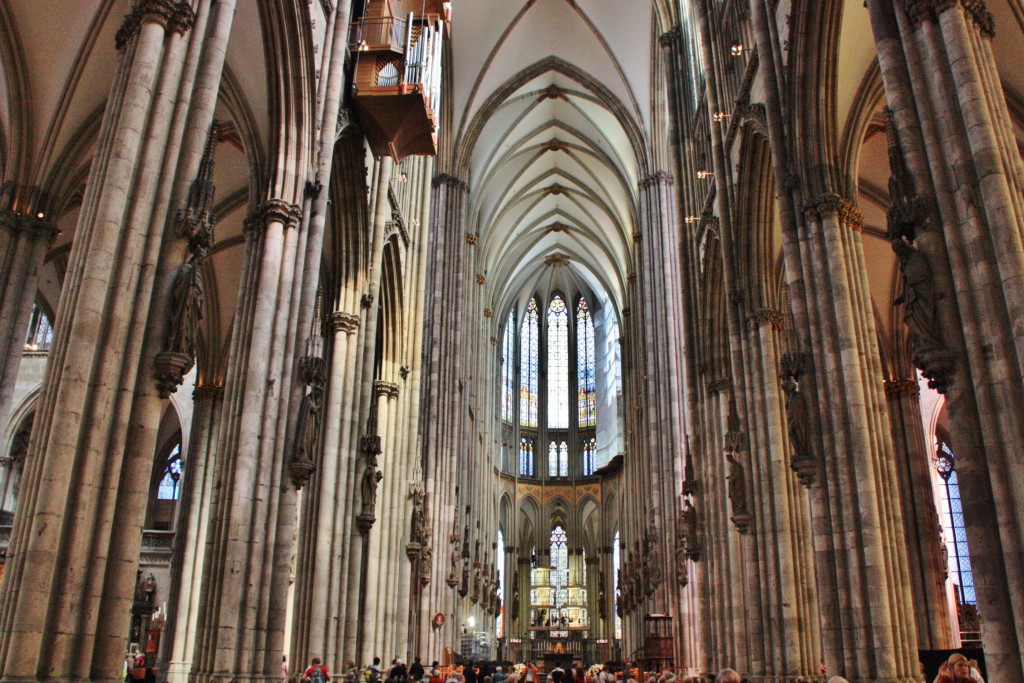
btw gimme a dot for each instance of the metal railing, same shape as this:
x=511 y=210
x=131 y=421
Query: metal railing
x=382 y=33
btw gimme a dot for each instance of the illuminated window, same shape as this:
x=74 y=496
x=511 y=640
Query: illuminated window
x=528 y=355
x=953 y=524
x=170 y=485
x=589 y=450
x=558 y=459
x=558 y=364
x=508 y=369
x=586 y=382
x=40 y=331
x=525 y=457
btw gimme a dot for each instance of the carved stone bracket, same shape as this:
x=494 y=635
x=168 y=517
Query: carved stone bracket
x=33 y=228
x=208 y=392
x=448 y=180
x=171 y=368
x=719 y=385
x=768 y=316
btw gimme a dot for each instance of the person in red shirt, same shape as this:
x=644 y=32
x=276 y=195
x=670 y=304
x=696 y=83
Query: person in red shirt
x=316 y=673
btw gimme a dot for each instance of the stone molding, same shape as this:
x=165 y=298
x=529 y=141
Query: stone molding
x=343 y=322
x=448 y=180
x=930 y=10
x=176 y=17
x=902 y=387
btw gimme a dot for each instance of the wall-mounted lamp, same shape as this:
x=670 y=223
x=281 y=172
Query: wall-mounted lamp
x=704 y=174
x=737 y=49
x=720 y=116
x=692 y=219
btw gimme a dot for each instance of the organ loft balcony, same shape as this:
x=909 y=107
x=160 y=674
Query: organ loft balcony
x=397 y=82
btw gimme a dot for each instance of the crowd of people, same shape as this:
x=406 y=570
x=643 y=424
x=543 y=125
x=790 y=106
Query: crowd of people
x=956 y=669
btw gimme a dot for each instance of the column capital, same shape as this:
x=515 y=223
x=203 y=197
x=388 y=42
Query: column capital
x=280 y=211
x=765 y=316
x=663 y=178
x=902 y=387
x=448 y=180
x=930 y=10
x=176 y=17
x=717 y=386
x=207 y=392
x=340 y=321
x=389 y=389
x=33 y=228
x=670 y=36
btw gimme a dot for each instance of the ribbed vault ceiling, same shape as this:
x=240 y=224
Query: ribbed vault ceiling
x=551 y=102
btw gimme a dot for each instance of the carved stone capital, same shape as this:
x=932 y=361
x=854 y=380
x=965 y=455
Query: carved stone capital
x=717 y=386
x=901 y=387
x=343 y=322
x=472 y=238
x=207 y=392
x=389 y=389
x=768 y=316
x=448 y=180
x=32 y=228
x=671 y=36
x=481 y=279
x=662 y=178
x=280 y=211
x=175 y=17
x=930 y=10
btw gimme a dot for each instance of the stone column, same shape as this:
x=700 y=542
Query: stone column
x=922 y=528
x=959 y=219
x=24 y=239
x=190 y=530
x=55 y=618
x=442 y=370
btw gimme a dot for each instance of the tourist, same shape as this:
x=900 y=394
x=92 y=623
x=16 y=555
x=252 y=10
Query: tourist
x=416 y=672
x=316 y=673
x=499 y=675
x=728 y=676
x=957 y=669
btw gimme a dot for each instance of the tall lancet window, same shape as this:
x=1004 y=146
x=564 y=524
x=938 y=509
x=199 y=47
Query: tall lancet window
x=525 y=457
x=499 y=563
x=586 y=376
x=558 y=364
x=559 y=557
x=558 y=459
x=508 y=369
x=528 y=361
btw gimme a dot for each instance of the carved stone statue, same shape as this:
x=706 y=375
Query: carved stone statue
x=149 y=588
x=188 y=298
x=426 y=562
x=797 y=418
x=371 y=478
x=918 y=297
x=419 y=519
x=309 y=425
x=689 y=539
x=682 y=571
x=737 y=487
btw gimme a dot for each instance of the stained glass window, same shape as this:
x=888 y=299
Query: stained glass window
x=558 y=459
x=589 y=449
x=508 y=368
x=40 y=331
x=956 y=532
x=170 y=485
x=559 y=557
x=528 y=361
x=558 y=364
x=586 y=382
x=525 y=457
